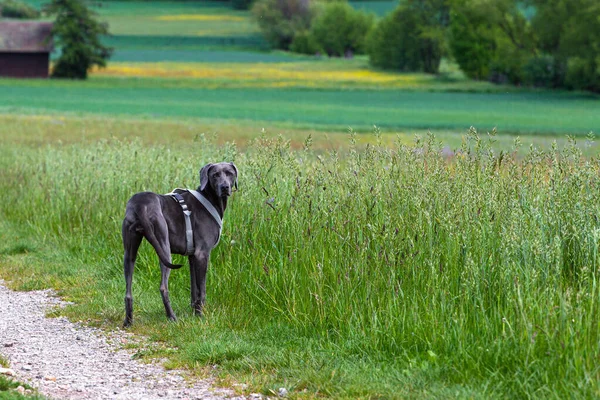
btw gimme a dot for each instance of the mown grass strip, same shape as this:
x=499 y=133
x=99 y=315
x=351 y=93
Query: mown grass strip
x=518 y=112
x=201 y=17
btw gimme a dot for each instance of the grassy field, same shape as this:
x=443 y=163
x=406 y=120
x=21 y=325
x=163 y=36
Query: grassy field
x=330 y=109
x=387 y=271
x=374 y=264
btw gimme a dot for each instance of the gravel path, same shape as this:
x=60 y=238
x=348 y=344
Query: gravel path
x=70 y=361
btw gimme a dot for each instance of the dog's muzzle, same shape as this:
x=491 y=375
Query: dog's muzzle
x=224 y=191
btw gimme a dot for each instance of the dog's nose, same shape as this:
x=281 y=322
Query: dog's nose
x=224 y=188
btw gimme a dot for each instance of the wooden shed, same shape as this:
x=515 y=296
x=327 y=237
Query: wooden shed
x=25 y=48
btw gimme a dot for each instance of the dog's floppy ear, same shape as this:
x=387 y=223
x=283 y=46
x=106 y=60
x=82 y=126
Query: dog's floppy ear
x=204 y=176
x=235 y=184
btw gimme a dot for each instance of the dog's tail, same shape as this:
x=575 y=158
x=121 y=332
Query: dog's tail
x=151 y=236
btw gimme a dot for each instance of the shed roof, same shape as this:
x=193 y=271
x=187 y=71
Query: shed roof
x=25 y=36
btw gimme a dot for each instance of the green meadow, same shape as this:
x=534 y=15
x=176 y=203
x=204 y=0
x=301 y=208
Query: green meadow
x=379 y=271
x=328 y=109
x=362 y=257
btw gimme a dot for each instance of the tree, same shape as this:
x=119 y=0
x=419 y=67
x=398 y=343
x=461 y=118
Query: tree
x=77 y=33
x=281 y=20
x=472 y=39
x=491 y=39
x=569 y=32
x=339 y=29
x=547 y=43
x=411 y=38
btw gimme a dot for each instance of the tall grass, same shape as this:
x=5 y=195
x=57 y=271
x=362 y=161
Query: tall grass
x=476 y=271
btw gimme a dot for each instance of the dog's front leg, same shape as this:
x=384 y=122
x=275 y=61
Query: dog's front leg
x=198 y=268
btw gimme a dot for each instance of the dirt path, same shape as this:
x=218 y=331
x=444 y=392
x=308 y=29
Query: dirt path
x=69 y=361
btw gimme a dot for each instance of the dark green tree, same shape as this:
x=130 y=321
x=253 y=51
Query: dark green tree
x=77 y=33
x=491 y=39
x=472 y=38
x=547 y=43
x=281 y=20
x=340 y=29
x=568 y=32
x=411 y=38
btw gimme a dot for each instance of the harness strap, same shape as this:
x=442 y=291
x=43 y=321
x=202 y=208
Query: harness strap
x=211 y=210
x=189 y=233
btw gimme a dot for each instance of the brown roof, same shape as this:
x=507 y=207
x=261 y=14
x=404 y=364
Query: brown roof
x=25 y=37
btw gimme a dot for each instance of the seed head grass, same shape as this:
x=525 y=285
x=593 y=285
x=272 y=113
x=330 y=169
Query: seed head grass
x=377 y=271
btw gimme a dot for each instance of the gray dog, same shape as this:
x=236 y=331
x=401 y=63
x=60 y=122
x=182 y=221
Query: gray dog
x=184 y=222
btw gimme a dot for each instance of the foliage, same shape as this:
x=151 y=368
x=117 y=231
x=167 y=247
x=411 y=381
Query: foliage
x=508 y=63
x=18 y=9
x=392 y=43
x=492 y=40
x=472 y=39
x=355 y=274
x=411 y=38
x=583 y=73
x=569 y=30
x=77 y=33
x=554 y=46
x=305 y=43
x=241 y=4
x=340 y=30
x=543 y=71
x=281 y=20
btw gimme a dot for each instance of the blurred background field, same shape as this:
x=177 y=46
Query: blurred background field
x=205 y=60
x=326 y=109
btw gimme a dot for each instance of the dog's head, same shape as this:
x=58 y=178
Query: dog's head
x=221 y=178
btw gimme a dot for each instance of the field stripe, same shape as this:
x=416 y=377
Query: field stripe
x=516 y=112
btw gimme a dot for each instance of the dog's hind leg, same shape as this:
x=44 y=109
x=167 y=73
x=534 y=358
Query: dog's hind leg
x=131 y=243
x=162 y=235
x=164 y=291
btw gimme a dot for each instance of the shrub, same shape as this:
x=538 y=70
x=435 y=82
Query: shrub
x=544 y=71
x=394 y=42
x=472 y=41
x=305 y=43
x=281 y=20
x=508 y=64
x=338 y=29
x=241 y=4
x=583 y=74
x=495 y=40
x=17 y=9
x=411 y=38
